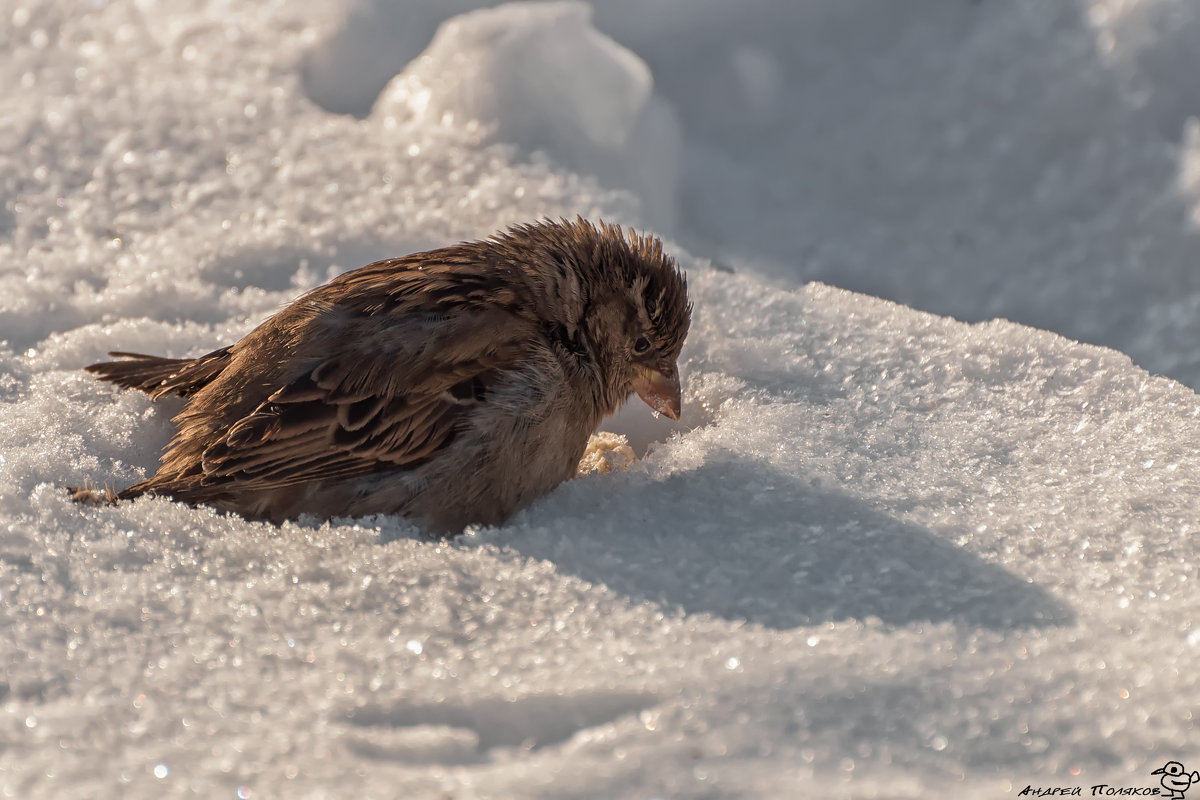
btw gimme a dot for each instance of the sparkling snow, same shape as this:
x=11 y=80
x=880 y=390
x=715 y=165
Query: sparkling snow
x=886 y=554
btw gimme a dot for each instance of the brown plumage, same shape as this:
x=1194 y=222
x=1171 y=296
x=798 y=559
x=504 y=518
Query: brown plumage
x=453 y=386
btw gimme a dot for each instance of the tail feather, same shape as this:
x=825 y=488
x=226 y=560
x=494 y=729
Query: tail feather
x=159 y=376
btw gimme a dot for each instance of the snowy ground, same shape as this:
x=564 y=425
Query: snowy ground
x=888 y=554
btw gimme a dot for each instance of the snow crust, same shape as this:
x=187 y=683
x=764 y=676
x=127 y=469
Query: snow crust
x=886 y=554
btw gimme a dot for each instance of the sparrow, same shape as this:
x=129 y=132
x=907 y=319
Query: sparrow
x=452 y=387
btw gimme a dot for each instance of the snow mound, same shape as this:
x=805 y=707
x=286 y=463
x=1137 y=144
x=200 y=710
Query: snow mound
x=528 y=71
x=540 y=76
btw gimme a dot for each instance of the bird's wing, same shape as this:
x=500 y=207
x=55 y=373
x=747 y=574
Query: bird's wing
x=393 y=357
x=349 y=416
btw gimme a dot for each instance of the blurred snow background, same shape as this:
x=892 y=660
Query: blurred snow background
x=888 y=553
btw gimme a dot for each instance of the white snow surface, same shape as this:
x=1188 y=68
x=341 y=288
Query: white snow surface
x=887 y=553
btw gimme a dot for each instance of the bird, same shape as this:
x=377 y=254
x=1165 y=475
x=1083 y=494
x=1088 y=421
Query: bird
x=452 y=387
x=1176 y=779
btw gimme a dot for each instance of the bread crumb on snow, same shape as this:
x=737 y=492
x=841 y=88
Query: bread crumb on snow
x=606 y=452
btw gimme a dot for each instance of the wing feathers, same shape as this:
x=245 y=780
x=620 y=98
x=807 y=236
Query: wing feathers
x=356 y=415
x=305 y=432
x=372 y=372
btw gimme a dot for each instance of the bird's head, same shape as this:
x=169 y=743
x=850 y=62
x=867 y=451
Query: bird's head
x=621 y=301
x=657 y=317
x=1175 y=777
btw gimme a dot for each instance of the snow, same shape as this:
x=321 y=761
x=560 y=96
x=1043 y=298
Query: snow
x=886 y=554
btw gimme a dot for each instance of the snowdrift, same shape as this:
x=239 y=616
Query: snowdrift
x=886 y=553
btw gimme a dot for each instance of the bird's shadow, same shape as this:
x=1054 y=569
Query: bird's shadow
x=740 y=539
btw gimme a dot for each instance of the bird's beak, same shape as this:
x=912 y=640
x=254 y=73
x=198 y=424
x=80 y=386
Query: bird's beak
x=660 y=391
x=1159 y=771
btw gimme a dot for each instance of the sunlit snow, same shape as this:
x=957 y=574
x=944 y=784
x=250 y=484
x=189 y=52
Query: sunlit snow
x=885 y=554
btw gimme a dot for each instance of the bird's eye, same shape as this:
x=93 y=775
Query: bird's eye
x=641 y=346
